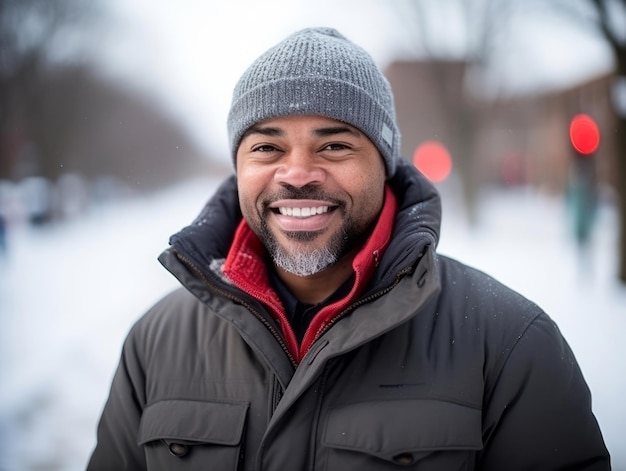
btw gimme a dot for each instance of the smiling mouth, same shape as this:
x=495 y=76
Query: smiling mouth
x=303 y=212
x=296 y=215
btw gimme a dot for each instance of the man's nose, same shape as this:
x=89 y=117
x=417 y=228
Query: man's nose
x=300 y=168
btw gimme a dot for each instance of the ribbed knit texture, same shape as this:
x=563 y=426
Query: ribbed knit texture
x=317 y=71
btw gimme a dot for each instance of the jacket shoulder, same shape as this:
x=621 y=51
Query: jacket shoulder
x=477 y=294
x=484 y=317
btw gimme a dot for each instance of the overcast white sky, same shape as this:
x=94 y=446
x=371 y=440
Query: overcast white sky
x=190 y=53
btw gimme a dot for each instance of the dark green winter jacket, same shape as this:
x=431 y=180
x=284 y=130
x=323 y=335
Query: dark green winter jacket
x=436 y=367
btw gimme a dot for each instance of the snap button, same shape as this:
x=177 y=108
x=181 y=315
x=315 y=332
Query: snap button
x=178 y=449
x=403 y=458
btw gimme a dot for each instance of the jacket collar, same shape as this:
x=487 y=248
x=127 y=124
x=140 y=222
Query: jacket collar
x=245 y=266
x=206 y=243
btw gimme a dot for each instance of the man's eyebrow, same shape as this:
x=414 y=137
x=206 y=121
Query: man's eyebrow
x=263 y=130
x=332 y=130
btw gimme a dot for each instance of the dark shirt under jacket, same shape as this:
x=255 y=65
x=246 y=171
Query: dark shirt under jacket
x=301 y=314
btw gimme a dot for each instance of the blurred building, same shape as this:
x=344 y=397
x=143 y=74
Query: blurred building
x=511 y=141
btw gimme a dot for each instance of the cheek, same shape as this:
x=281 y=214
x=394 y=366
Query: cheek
x=373 y=195
x=247 y=198
x=253 y=178
x=369 y=190
x=367 y=201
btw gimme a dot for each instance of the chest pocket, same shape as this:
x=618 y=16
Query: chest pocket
x=191 y=435
x=406 y=434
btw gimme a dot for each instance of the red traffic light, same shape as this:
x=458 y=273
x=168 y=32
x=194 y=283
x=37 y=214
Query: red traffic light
x=433 y=160
x=584 y=134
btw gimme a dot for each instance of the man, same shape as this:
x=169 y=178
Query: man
x=317 y=327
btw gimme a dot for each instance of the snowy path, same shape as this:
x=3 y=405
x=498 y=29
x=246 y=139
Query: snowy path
x=69 y=294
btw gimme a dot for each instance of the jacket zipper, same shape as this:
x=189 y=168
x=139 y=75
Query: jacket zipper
x=238 y=300
x=326 y=327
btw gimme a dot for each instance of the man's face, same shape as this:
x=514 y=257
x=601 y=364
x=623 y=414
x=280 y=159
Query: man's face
x=310 y=187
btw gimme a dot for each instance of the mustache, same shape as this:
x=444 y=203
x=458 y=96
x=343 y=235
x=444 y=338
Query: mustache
x=307 y=192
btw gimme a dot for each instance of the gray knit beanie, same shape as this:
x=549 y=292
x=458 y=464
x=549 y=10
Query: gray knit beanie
x=317 y=71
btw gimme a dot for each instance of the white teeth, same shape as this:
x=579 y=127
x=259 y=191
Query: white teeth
x=303 y=212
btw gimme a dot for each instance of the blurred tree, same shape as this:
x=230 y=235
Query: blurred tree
x=607 y=19
x=57 y=116
x=463 y=30
x=33 y=33
x=92 y=127
x=611 y=23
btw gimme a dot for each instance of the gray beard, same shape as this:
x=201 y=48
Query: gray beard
x=303 y=264
x=306 y=262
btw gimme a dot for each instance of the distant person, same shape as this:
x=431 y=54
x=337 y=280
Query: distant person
x=317 y=327
x=3 y=236
x=582 y=196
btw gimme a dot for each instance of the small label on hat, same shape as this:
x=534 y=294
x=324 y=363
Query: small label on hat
x=387 y=135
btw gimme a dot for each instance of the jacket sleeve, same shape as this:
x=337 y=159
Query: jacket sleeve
x=538 y=415
x=116 y=447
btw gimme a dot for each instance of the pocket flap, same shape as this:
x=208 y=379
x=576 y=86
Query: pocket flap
x=389 y=428
x=220 y=423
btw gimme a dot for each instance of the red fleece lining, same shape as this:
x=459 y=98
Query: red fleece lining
x=245 y=267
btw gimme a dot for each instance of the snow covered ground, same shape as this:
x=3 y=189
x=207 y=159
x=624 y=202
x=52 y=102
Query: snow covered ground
x=69 y=293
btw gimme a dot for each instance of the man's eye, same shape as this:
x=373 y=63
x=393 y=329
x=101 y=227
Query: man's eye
x=335 y=147
x=264 y=148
